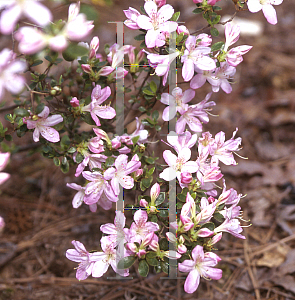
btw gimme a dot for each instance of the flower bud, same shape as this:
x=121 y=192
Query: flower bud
x=141 y=252
x=56 y=90
x=75 y=102
x=143 y=203
x=116 y=143
x=154 y=245
x=171 y=237
x=132 y=247
x=155 y=192
x=94 y=44
x=138 y=172
x=183 y=29
x=186 y=177
x=86 y=68
x=181 y=249
x=2 y=224
x=216 y=238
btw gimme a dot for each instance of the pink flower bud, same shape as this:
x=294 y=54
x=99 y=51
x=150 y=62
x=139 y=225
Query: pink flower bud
x=147 y=239
x=206 y=40
x=205 y=232
x=116 y=143
x=92 y=54
x=143 y=203
x=154 y=245
x=181 y=249
x=86 y=68
x=171 y=237
x=132 y=247
x=2 y=224
x=216 y=238
x=160 y=3
x=94 y=44
x=75 y=102
x=140 y=56
x=155 y=191
x=139 y=172
x=141 y=252
x=181 y=29
x=186 y=177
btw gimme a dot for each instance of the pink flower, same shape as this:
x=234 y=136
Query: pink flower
x=222 y=150
x=14 y=9
x=231 y=226
x=156 y=22
x=200 y=266
x=119 y=173
x=98 y=190
x=267 y=8
x=108 y=257
x=9 y=73
x=79 y=197
x=177 y=165
x=116 y=231
x=42 y=124
x=75 y=102
x=4 y=158
x=195 y=56
x=132 y=14
x=140 y=227
x=85 y=259
x=155 y=192
x=96 y=110
x=177 y=102
x=185 y=140
x=161 y=63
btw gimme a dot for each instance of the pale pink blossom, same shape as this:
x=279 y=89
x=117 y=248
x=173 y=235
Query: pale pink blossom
x=132 y=15
x=201 y=265
x=184 y=140
x=10 y=68
x=85 y=259
x=177 y=102
x=267 y=9
x=42 y=125
x=222 y=150
x=119 y=173
x=98 y=96
x=178 y=164
x=195 y=56
x=4 y=159
x=231 y=226
x=141 y=227
x=79 y=196
x=156 y=22
x=14 y=9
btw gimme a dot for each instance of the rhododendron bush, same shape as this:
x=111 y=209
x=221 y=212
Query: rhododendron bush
x=88 y=130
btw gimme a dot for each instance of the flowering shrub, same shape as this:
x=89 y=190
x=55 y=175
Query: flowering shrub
x=111 y=160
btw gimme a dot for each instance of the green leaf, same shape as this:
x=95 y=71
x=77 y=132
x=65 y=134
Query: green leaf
x=140 y=37
x=142 y=109
x=163 y=213
x=216 y=8
x=158 y=127
x=179 y=38
x=109 y=161
x=65 y=167
x=8 y=137
x=56 y=161
x=148 y=92
x=216 y=19
x=39 y=108
x=47 y=57
x=79 y=158
x=164 y=267
x=214 y=32
x=160 y=199
x=86 y=117
x=151 y=259
x=153 y=86
x=219 y=217
x=154 y=219
x=126 y=262
x=155 y=115
x=151 y=171
x=142 y=187
x=73 y=51
x=64 y=161
x=147 y=181
x=149 y=160
x=143 y=268
x=72 y=150
x=21 y=112
x=181 y=197
x=217 y=46
x=37 y=63
x=209 y=225
x=142 y=10
x=197 y=10
x=135 y=139
x=175 y=16
x=163 y=243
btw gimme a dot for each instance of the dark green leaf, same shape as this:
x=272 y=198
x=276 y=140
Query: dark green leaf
x=165 y=267
x=140 y=37
x=154 y=219
x=73 y=51
x=163 y=213
x=153 y=86
x=214 y=31
x=164 y=244
x=21 y=112
x=109 y=162
x=37 y=63
x=216 y=8
x=65 y=167
x=209 y=225
x=219 y=217
x=143 y=268
x=8 y=137
x=197 y=10
x=158 y=127
x=79 y=158
x=56 y=161
x=217 y=46
x=126 y=262
x=160 y=199
x=72 y=150
x=148 y=92
x=155 y=115
x=151 y=259
x=39 y=108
